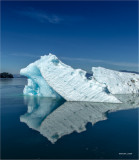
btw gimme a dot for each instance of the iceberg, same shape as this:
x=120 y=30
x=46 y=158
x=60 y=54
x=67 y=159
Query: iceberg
x=49 y=77
x=54 y=118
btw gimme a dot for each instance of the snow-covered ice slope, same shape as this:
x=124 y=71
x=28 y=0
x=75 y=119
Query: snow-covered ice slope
x=117 y=82
x=70 y=83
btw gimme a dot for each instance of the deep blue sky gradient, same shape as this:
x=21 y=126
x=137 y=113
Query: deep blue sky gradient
x=82 y=34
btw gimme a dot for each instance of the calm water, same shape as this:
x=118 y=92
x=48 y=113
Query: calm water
x=33 y=127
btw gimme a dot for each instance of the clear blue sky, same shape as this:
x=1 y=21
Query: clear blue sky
x=81 y=34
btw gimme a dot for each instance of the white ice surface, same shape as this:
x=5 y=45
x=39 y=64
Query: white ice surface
x=72 y=84
x=117 y=82
x=49 y=77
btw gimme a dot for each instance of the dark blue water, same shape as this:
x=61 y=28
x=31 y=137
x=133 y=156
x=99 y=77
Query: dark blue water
x=114 y=138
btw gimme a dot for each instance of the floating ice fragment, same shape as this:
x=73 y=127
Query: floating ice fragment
x=49 y=77
x=117 y=82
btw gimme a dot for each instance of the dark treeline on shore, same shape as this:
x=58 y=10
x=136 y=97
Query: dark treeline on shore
x=6 y=75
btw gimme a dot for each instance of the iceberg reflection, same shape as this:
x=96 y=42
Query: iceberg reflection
x=38 y=109
x=56 y=118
